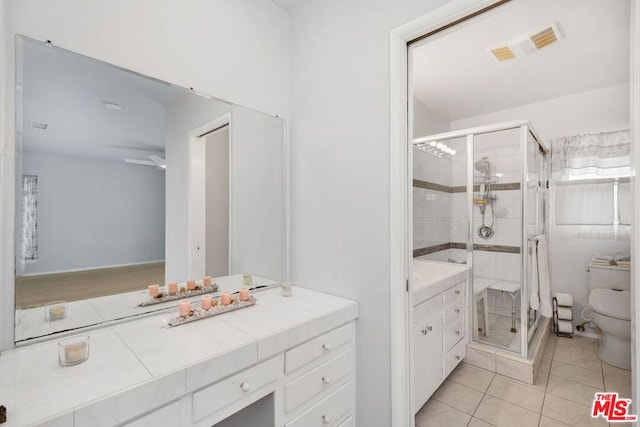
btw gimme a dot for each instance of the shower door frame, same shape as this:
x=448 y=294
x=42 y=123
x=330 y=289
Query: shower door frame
x=526 y=130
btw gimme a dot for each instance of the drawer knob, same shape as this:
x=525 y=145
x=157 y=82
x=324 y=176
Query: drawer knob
x=326 y=347
x=457 y=291
x=426 y=330
x=457 y=310
x=457 y=332
x=326 y=380
x=326 y=419
x=458 y=357
x=245 y=387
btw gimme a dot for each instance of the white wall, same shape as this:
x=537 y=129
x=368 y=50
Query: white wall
x=340 y=170
x=599 y=110
x=94 y=213
x=235 y=50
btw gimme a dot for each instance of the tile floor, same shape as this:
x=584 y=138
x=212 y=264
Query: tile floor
x=569 y=376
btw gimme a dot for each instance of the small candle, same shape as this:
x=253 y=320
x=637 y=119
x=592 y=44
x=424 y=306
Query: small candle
x=57 y=313
x=205 y=302
x=154 y=290
x=185 y=308
x=173 y=288
x=225 y=298
x=191 y=285
x=247 y=279
x=244 y=294
x=206 y=280
x=73 y=350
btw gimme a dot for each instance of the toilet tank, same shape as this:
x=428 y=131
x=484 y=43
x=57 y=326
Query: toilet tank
x=609 y=277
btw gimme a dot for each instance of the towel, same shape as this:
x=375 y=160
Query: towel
x=544 y=282
x=534 y=296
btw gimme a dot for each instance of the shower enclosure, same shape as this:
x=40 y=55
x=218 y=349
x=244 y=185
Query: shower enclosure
x=480 y=198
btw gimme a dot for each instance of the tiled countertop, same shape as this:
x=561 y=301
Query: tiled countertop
x=139 y=364
x=432 y=277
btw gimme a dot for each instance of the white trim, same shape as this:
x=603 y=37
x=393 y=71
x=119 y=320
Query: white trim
x=399 y=224
x=97 y=267
x=195 y=195
x=634 y=123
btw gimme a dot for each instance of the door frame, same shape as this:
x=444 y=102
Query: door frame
x=196 y=199
x=400 y=220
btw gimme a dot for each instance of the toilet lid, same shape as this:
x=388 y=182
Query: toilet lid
x=612 y=303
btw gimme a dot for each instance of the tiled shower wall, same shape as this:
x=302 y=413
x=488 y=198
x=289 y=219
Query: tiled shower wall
x=440 y=217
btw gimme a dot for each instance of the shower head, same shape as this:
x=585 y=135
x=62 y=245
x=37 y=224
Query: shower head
x=483 y=166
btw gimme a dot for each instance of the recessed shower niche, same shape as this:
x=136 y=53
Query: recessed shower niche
x=469 y=189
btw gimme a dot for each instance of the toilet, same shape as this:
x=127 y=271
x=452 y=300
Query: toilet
x=610 y=303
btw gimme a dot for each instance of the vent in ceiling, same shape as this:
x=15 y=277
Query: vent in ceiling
x=526 y=44
x=546 y=37
x=502 y=53
x=41 y=126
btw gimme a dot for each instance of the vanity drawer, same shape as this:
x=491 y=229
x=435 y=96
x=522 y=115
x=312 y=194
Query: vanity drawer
x=427 y=309
x=326 y=412
x=454 y=334
x=219 y=395
x=453 y=293
x=453 y=312
x=318 y=379
x=317 y=347
x=453 y=357
x=168 y=415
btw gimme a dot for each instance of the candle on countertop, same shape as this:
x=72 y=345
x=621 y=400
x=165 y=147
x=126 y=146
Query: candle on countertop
x=73 y=350
x=74 y=353
x=185 y=308
x=286 y=289
x=154 y=290
x=206 y=280
x=191 y=285
x=58 y=312
x=225 y=298
x=173 y=288
x=205 y=302
x=243 y=295
x=247 y=279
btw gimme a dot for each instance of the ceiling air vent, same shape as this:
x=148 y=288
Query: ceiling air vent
x=36 y=125
x=502 y=53
x=546 y=37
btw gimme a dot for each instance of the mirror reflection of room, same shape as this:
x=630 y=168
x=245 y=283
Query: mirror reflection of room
x=129 y=187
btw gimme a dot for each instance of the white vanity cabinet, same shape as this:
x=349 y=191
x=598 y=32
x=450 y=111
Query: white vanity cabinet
x=438 y=339
x=285 y=362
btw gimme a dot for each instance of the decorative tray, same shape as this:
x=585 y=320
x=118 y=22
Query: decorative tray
x=199 y=313
x=181 y=294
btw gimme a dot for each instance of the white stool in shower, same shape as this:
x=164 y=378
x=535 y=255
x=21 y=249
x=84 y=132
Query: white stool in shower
x=513 y=289
x=480 y=285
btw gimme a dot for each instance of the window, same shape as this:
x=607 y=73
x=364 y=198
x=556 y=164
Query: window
x=30 y=218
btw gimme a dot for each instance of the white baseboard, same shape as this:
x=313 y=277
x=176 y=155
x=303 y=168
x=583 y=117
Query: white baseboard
x=97 y=267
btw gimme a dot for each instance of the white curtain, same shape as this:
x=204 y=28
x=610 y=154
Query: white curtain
x=603 y=154
x=29 y=237
x=591 y=200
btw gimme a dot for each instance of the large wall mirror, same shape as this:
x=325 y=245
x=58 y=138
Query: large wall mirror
x=124 y=181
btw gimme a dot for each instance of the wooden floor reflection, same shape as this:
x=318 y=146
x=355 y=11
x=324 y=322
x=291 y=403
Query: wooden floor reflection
x=34 y=291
